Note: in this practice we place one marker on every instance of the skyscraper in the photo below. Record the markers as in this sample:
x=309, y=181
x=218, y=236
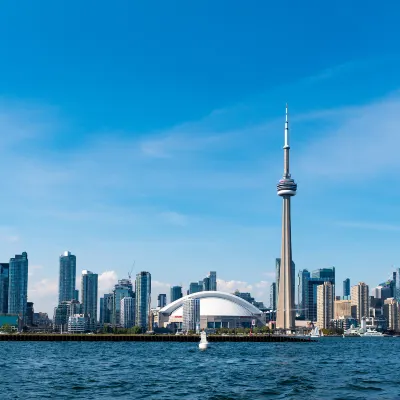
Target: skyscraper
x=143, y=297
x=161, y=300
x=195, y=287
x=272, y=296
x=304, y=276
x=391, y=313
x=89, y=287
x=122, y=289
x=18, y=285
x=324, y=305
x=286, y=189
x=106, y=308
x=176, y=293
x=4, y=279
x=213, y=280
x=127, y=312
x=360, y=301
x=396, y=275
x=66, y=286
x=191, y=314
x=346, y=288
x=327, y=274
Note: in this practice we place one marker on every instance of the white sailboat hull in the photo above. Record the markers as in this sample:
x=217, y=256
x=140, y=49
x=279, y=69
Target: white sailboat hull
x=203, y=345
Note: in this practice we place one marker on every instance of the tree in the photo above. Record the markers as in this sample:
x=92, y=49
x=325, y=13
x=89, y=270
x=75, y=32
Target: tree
x=7, y=328
x=136, y=330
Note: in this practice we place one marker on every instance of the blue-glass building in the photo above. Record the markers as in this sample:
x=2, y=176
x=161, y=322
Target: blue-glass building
x=304, y=276
x=143, y=298
x=176, y=293
x=4, y=279
x=121, y=290
x=67, y=278
x=346, y=288
x=89, y=285
x=18, y=286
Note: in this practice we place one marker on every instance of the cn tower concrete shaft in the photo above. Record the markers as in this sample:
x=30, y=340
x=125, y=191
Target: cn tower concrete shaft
x=285, y=314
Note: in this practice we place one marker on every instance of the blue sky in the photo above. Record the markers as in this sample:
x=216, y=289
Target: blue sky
x=153, y=132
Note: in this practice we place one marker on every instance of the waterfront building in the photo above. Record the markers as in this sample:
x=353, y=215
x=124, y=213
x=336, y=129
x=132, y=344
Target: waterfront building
x=304, y=276
x=106, y=308
x=176, y=293
x=391, y=313
x=217, y=310
x=18, y=286
x=324, y=305
x=143, y=299
x=191, y=314
x=293, y=277
x=310, y=304
x=63, y=311
x=4, y=282
x=343, y=323
x=272, y=296
x=161, y=300
x=29, y=313
x=67, y=277
x=195, y=287
x=128, y=312
x=206, y=284
x=42, y=321
x=346, y=289
x=10, y=319
x=89, y=287
x=122, y=289
x=379, y=323
x=342, y=309
x=360, y=301
x=77, y=323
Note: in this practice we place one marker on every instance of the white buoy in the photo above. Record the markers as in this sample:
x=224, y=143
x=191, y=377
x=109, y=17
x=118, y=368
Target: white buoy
x=203, y=345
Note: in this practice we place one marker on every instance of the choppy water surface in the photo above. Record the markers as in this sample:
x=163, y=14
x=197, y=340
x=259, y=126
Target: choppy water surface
x=333, y=368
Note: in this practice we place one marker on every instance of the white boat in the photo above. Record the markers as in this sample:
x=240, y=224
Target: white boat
x=315, y=333
x=352, y=332
x=203, y=345
x=371, y=333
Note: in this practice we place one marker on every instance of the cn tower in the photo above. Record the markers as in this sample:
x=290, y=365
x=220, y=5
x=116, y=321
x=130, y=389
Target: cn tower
x=286, y=189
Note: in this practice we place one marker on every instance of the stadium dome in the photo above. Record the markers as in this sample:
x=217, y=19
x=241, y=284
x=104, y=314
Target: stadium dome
x=217, y=310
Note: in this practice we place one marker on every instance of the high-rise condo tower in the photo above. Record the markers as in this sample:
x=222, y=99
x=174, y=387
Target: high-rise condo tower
x=286, y=189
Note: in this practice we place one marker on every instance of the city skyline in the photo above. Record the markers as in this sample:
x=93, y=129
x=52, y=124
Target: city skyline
x=146, y=149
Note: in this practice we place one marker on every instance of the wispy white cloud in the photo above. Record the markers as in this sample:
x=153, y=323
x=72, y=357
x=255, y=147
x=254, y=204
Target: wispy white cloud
x=363, y=146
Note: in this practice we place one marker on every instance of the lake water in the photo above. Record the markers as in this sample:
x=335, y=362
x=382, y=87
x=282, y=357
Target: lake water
x=333, y=368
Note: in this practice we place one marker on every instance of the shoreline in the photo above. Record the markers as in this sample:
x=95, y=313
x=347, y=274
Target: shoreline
x=146, y=338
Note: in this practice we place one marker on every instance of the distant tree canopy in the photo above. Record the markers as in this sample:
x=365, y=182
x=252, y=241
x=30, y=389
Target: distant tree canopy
x=6, y=328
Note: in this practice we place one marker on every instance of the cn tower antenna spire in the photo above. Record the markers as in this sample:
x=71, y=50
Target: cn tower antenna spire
x=287, y=129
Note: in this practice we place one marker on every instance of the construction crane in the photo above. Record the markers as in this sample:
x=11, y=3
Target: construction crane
x=130, y=272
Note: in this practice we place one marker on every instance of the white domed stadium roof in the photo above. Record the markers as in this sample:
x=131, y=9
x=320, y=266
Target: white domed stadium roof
x=214, y=303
